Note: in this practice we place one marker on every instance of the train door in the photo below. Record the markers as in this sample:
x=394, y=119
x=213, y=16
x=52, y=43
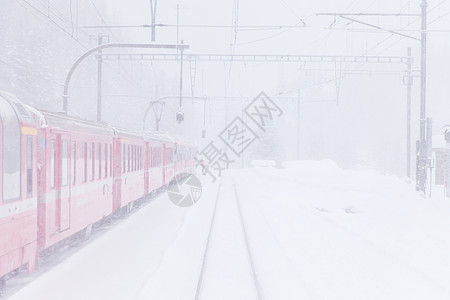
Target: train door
x=63, y=184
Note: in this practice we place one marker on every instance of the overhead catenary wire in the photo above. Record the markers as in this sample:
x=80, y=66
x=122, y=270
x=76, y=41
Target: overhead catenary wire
x=239, y=27
x=47, y=20
x=380, y=43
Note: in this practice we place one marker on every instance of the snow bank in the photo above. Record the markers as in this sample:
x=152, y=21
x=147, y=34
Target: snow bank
x=263, y=163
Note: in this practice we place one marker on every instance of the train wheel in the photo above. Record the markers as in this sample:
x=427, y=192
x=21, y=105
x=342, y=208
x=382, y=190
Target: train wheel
x=38, y=262
x=31, y=266
x=2, y=286
x=87, y=232
x=130, y=207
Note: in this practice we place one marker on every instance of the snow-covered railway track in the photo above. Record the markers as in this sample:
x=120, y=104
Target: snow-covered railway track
x=208, y=241
x=227, y=203
x=336, y=244
x=247, y=244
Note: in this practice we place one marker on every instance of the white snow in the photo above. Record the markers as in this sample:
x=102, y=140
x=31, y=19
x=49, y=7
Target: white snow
x=315, y=231
x=263, y=163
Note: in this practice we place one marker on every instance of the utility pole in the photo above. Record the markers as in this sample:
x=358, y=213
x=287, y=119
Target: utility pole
x=65, y=95
x=408, y=113
x=178, y=24
x=153, y=6
x=181, y=76
x=422, y=159
x=99, y=79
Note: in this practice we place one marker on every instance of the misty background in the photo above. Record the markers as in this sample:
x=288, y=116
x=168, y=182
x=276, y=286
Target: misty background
x=354, y=114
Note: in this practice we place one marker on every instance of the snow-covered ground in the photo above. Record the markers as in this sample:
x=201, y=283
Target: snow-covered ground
x=309, y=230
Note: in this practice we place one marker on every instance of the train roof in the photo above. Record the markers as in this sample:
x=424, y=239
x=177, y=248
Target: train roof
x=129, y=134
x=166, y=137
x=23, y=112
x=44, y=119
x=56, y=120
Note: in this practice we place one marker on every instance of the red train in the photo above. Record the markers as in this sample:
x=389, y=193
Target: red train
x=60, y=175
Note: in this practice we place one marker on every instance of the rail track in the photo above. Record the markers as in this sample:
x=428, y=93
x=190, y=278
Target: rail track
x=219, y=200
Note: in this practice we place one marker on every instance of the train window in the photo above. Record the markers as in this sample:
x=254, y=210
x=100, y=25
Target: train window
x=84, y=162
x=150, y=157
x=29, y=166
x=128, y=159
x=154, y=162
x=53, y=164
x=123, y=158
x=132, y=158
x=169, y=155
x=105, y=160
x=92, y=160
x=157, y=155
x=65, y=163
x=11, y=149
x=98, y=162
x=135, y=158
x=74, y=162
x=112, y=160
x=153, y=157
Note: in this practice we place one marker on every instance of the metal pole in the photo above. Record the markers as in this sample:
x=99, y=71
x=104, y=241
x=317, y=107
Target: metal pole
x=408, y=115
x=181, y=76
x=65, y=94
x=429, y=145
x=153, y=11
x=178, y=23
x=242, y=145
x=298, y=125
x=99, y=80
x=422, y=170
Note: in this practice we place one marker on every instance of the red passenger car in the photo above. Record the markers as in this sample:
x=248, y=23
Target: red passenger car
x=60, y=175
x=18, y=185
x=129, y=171
x=77, y=180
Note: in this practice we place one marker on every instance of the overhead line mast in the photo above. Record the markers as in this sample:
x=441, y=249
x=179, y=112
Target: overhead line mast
x=423, y=161
x=153, y=6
